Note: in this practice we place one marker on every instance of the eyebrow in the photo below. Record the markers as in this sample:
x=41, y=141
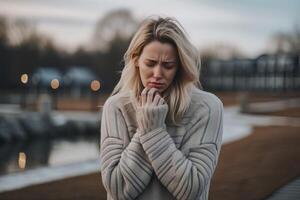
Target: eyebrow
x=153, y=60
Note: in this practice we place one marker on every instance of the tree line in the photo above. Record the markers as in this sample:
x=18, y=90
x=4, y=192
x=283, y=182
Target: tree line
x=23, y=49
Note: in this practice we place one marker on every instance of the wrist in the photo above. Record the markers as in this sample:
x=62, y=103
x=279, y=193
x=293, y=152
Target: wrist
x=142, y=132
x=150, y=118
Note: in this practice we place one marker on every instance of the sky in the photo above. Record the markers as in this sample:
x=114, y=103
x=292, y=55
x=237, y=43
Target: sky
x=247, y=24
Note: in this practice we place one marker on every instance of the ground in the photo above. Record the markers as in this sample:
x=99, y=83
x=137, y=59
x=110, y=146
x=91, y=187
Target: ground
x=250, y=168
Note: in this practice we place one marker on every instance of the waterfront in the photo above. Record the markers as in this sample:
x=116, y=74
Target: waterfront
x=47, y=153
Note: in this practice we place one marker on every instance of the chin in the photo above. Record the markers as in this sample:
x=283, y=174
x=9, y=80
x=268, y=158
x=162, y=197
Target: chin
x=159, y=89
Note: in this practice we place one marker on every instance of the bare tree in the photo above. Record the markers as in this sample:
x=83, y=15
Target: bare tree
x=20, y=30
x=286, y=42
x=116, y=24
x=221, y=51
x=3, y=31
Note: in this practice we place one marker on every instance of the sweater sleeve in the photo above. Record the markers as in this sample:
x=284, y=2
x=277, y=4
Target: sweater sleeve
x=186, y=177
x=125, y=169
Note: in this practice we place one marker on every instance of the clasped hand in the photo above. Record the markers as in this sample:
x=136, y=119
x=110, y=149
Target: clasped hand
x=150, y=97
x=151, y=111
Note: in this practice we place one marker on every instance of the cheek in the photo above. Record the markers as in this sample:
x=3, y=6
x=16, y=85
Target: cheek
x=172, y=75
x=144, y=72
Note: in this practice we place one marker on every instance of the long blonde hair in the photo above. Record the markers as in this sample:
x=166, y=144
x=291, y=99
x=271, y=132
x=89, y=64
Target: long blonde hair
x=167, y=30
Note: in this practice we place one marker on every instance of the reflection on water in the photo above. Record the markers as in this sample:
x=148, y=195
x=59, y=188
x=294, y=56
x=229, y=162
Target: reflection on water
x=66, y=152
x=16, y=157
x=22, y=160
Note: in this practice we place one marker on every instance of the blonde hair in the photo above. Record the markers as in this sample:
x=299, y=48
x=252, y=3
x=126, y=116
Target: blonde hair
x=166, y=30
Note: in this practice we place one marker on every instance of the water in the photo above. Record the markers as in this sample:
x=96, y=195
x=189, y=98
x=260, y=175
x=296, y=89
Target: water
x=22, y=156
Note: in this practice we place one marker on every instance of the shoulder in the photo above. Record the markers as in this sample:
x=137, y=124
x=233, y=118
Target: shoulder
x=202, y=97
x=204, y=118
x=202, y=101
x=117, y=102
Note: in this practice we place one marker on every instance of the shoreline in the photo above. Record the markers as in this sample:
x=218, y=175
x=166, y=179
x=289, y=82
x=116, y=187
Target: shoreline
x=246, y=170
x=12, y=181
x=257, y=135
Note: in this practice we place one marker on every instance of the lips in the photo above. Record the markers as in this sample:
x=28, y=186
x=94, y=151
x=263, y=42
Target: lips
x=155, y=84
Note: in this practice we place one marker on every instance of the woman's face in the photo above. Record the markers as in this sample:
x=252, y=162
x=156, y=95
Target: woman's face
x=158, y=65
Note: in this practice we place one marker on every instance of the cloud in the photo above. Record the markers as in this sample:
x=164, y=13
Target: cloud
x=247, y=24
x=37, y=11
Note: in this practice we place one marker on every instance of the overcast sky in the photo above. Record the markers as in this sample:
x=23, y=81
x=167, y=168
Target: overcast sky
x=246, y=24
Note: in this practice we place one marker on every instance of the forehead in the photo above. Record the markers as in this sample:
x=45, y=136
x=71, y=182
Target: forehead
x=159, y=50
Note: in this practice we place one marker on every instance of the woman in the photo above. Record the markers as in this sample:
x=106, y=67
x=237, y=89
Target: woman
x=160, y=134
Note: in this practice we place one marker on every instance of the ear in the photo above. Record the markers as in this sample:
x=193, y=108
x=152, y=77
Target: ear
x=135, y=59
x=136, y=62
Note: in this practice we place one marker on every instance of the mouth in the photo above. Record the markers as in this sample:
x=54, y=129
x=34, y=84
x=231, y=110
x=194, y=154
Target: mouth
x=155, y=84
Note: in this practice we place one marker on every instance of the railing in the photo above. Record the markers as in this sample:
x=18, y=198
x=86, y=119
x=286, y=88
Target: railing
x=266, y=73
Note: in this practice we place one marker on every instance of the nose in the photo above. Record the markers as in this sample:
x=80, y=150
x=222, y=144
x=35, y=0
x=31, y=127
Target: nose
x=157, y=71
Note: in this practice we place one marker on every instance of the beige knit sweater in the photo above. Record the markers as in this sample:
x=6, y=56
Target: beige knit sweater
x=143, y=158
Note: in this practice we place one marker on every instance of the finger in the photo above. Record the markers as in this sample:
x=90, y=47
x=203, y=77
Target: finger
x=150, y=95
x=144, y=96
x=161, y=101
x=156, y=99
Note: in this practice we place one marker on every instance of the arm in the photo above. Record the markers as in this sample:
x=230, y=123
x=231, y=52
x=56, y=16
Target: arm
x=125, y=170
x=186, y=177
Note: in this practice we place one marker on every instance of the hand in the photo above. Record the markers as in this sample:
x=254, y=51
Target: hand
x=152, y=111
x=150, y=97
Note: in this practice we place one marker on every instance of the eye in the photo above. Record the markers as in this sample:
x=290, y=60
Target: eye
x=150, y=63
x=169, y=65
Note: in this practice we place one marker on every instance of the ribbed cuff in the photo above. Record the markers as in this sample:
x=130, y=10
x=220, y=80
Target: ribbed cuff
x=150, y=118
x=153, y=139
x=159, y=147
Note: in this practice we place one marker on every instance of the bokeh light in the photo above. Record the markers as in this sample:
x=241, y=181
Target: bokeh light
x=24, y=78
x=54, y=84
x=95, y=85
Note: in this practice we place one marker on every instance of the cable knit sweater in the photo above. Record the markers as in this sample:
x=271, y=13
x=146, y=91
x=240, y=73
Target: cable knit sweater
x=143, y=158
